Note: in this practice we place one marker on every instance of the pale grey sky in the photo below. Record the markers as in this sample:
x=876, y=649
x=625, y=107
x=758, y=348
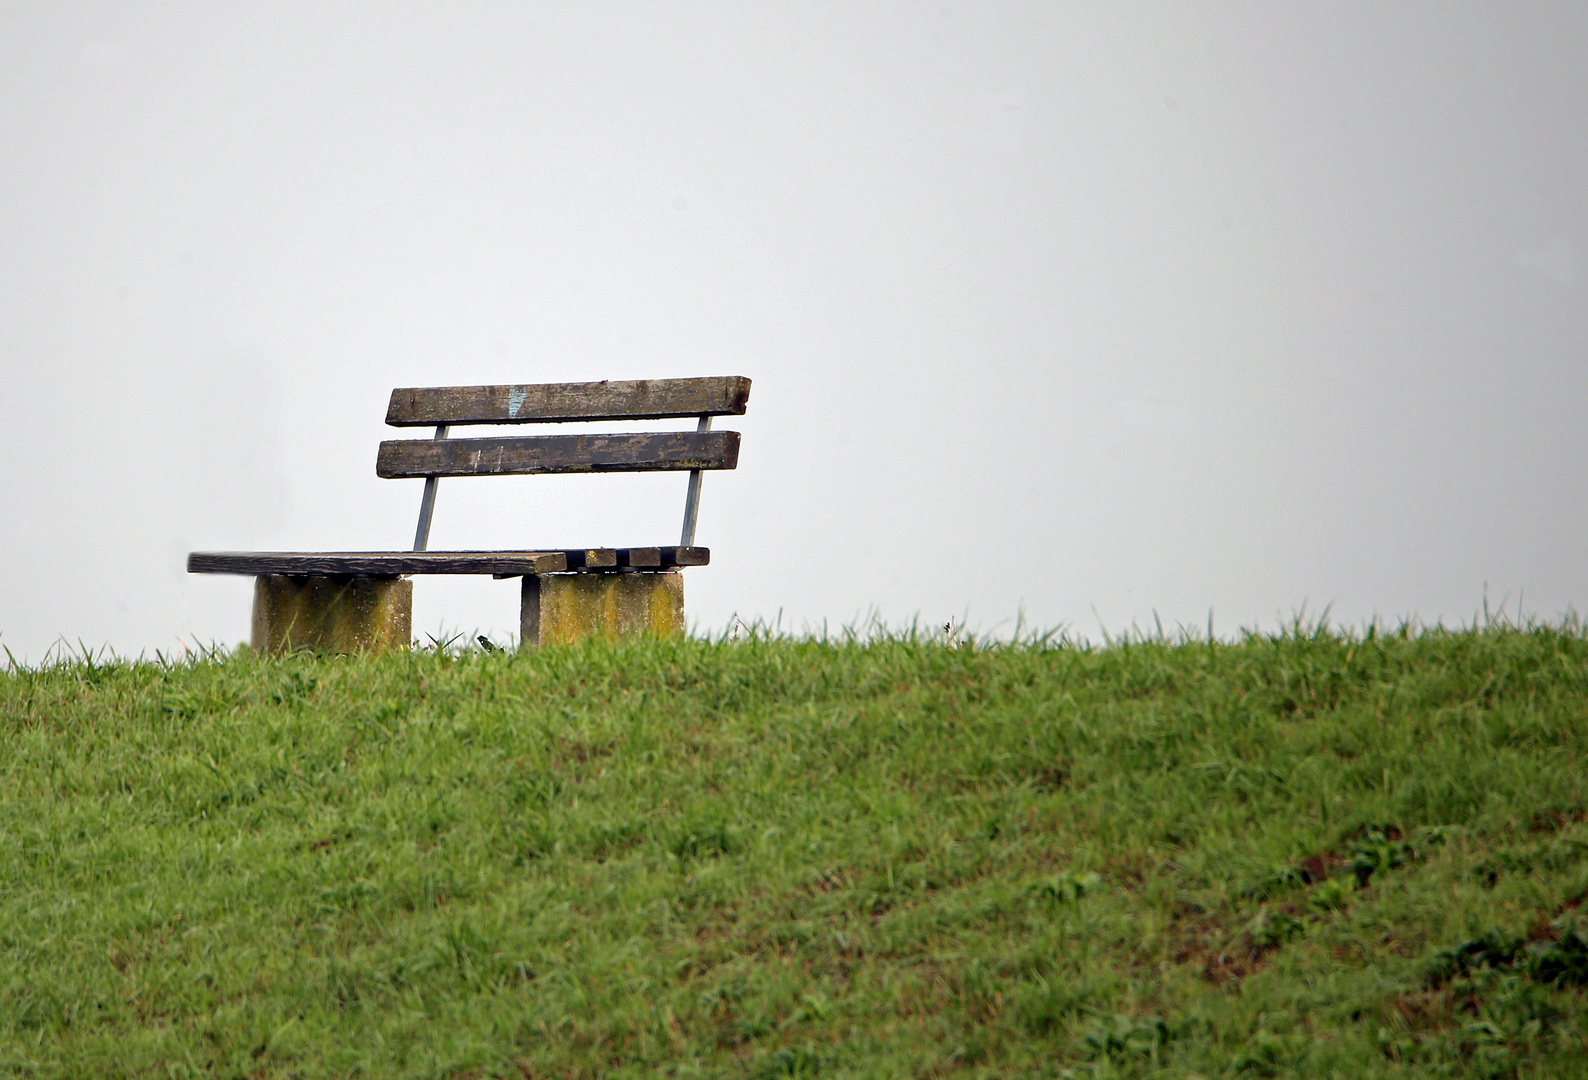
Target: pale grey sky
x=1090, y=310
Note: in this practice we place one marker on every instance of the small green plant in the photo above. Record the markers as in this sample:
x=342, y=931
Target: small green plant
x=1332, y=895
x=1069, y=886
x=1271, y=929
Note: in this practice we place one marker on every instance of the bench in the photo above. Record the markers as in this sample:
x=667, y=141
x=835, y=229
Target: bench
x=351, y=601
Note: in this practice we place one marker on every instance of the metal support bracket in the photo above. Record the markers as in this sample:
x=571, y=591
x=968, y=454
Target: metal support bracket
x=427, y=503
x=692, y=499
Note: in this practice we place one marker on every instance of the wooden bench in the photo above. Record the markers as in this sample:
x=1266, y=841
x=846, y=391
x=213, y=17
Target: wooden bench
x=348, y=601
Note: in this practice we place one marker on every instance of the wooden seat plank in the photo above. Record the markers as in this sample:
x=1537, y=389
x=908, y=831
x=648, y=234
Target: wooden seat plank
x=591, y=558
x=639, y=399
x=545, y=454
x=401, y=563
x=376, y=563
x=638, y=559
x=686, y=556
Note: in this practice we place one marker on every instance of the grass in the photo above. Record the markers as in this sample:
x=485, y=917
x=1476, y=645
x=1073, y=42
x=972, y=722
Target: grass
x=1307, y=854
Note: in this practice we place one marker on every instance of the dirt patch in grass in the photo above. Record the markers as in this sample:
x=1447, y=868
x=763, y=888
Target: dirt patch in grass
x=1555, y=819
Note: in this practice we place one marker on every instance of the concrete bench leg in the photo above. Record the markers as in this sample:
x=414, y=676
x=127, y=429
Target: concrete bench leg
x=564, y=608
x=332, y=614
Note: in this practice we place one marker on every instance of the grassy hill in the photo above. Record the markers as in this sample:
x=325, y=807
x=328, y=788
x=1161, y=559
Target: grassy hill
x=1300, y=855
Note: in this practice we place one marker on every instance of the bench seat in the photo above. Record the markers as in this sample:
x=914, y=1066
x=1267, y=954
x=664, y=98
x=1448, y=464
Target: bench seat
x=501, y=564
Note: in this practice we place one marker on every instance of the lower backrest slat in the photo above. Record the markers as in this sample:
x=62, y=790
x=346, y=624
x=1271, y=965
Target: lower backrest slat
x=645, y=452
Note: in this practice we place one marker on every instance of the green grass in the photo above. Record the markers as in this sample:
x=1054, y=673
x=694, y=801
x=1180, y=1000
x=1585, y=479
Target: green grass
x=1307, y=854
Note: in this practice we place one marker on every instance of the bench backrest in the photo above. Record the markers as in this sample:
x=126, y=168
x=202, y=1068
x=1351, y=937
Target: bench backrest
x=642, y=399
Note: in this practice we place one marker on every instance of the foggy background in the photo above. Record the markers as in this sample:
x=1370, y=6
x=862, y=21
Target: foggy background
x=1087, y=311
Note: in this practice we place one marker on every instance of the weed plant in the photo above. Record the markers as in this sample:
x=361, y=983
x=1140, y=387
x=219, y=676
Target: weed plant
x=1304, y=854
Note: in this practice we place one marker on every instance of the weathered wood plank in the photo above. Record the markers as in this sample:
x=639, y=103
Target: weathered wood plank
x=686, y=556
x=502, y=564
x=541, y=454
x=639, y=399
x=376, y=563
x=647, y=558
x=591, y=558
x=653, y=558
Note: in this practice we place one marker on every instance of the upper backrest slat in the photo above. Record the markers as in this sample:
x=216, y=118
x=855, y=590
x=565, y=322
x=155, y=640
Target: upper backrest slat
x=638, y=399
